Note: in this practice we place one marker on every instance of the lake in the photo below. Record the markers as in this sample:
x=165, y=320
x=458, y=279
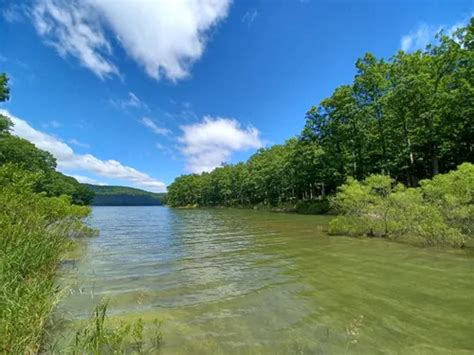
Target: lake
x=230, y=281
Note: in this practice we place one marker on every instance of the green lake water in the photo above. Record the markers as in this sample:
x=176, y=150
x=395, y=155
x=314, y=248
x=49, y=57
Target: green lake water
x=248, y=282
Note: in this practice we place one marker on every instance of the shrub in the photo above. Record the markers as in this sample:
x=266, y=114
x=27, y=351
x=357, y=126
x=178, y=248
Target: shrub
x=440, y=211
x=453, y=195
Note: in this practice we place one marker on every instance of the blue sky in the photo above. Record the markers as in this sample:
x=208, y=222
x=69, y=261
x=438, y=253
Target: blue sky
x=139, y=94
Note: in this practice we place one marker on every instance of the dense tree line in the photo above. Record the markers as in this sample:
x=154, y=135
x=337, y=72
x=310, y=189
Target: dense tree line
x=124, y=196
x=409, y=117
x=26, y=156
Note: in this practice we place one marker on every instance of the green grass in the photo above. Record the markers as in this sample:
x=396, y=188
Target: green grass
x=99, y=335
x=35, y=231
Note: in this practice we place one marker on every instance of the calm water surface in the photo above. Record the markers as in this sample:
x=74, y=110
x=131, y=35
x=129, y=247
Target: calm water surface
x=241, y=281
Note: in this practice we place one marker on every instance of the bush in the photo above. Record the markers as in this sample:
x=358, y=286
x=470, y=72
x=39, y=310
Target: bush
x=440, y=211
x=453, y=196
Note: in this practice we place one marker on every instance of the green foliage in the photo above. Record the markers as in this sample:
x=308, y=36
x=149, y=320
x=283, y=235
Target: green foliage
x=97, y=337
x=34, y=233
x=22, y=152
x=124, y=196
x=5, y=125
x=275, y=176
x=453, y=196
x=440, y=211
x=38, y=222
x=410, y=118
x=4, y=90
x=27, y=156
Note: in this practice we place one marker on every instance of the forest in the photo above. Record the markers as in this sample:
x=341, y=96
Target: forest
x=391, y=154
x=409, y=117
x=105, y=195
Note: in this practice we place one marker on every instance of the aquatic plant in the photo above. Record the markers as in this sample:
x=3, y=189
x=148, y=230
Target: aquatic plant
x=353, y=331
x=96, y=336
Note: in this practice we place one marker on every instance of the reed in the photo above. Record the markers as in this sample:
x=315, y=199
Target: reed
x=35, y=232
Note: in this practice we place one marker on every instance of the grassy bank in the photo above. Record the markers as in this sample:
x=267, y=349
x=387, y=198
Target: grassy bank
x=35, y=231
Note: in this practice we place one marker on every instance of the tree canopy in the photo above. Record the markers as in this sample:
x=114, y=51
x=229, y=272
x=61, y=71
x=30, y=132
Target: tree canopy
x=124, y=196
x=26, y=156
x=409, y=117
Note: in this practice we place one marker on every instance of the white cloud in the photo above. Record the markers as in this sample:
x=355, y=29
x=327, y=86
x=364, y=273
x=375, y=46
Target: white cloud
x=86, y=180
x=149, y=123
x=13, y=12
x=132, y=101
x=74, y=29
x=78, y=143
x=249, y=17
x=69, y=160
x=211, y=142
x=164, y=37
x=418, y=39
x=425, y=34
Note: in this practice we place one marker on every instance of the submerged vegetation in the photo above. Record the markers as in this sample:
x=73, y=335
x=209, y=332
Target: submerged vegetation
x=96, y=336
x=402, y=121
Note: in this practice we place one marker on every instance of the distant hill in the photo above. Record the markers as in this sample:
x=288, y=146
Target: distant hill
x=124, y=196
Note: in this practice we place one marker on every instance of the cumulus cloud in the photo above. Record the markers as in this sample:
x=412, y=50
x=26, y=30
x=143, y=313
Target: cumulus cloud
x=69, y=160
x=211, y=142
x=165, y=37
x=150, y=123
x=425, y=34
x=74, y=29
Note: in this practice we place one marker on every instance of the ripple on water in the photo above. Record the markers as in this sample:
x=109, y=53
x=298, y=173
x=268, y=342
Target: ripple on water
x=240, y=281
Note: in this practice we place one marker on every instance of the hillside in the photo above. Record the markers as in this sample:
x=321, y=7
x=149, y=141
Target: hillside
x=124, y=196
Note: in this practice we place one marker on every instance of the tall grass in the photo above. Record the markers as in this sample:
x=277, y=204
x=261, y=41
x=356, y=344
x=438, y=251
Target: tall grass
x=96, y=336
x=35, y=231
